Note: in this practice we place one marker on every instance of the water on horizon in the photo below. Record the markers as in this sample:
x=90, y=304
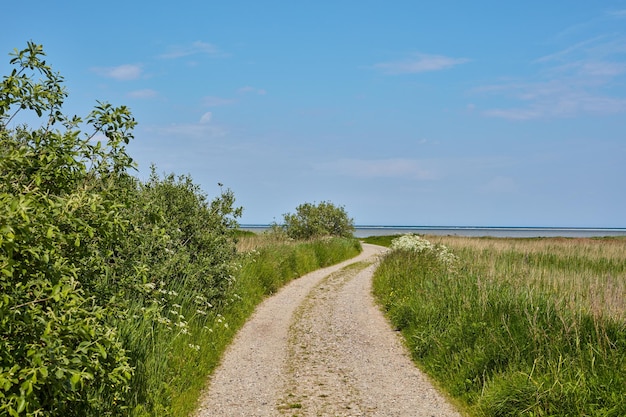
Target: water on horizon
x=366, y=231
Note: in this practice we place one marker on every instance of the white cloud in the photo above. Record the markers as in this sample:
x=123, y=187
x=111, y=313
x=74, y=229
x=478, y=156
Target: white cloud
x=420, y=63
x=195, y=48
x=206, y=118
x=381, y=168
x=122, y=72
x=143, y=94
x=584, y=78
x=558, y=104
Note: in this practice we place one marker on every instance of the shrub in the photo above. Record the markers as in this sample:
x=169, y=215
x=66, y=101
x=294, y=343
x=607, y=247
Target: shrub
x=93, y=262
x=324, y=219
x=56, y=227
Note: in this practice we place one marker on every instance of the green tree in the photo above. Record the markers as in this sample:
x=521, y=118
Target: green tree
x=318, y=220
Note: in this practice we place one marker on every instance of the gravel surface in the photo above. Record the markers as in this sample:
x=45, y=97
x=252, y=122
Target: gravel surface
x=321, y=347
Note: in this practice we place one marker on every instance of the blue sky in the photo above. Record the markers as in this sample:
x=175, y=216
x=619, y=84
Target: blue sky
x=483, y=113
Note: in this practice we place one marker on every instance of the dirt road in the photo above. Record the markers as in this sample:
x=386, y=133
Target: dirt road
x=320, y=347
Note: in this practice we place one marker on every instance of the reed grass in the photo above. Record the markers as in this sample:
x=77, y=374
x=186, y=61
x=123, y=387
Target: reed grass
x=518, y=326
x=578, y=274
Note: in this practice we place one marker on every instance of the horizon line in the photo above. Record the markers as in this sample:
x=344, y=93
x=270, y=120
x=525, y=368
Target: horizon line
x=381, y=226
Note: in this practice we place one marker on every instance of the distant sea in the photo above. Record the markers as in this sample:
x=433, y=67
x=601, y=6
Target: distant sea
x=365, y=231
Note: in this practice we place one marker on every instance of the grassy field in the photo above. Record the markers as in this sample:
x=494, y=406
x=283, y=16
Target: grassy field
x=533, y=327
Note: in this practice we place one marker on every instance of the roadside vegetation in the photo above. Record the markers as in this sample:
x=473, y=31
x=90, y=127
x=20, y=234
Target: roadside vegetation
x=117, y=296
x=513, y=327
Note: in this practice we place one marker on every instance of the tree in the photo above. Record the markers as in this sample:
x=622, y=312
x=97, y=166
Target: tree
x=318, y=220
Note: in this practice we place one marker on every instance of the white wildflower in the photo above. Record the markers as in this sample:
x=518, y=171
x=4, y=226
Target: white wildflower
x=410, y=242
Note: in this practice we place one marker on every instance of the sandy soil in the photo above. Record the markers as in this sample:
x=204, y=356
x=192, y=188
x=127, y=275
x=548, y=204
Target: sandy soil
x=321, y=347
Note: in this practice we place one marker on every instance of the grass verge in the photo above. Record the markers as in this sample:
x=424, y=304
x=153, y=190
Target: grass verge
x=531, y=327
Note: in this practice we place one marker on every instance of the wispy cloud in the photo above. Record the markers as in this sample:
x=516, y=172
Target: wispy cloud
x=206, y=118
x=572, y=49
x=213, y=101
x=570, y=102
x=204, y=128
x=181, y=131
x=618, y=13
x=195, y=48
x=583, y=78
x=419, y=63
x=381, y=168
x=122, y=72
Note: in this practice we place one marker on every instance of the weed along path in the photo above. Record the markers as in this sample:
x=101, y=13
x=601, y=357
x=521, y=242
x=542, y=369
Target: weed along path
x=321, y=347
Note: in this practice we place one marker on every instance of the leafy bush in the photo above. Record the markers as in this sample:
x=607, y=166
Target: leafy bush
x=324, y=219
x=56, y=227
x=93, y=262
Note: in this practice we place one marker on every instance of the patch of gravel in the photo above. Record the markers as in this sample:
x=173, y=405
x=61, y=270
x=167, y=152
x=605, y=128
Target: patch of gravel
x=321, y=347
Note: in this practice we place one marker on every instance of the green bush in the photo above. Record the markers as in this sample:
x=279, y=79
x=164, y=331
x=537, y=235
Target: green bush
x=93, y=262
x=56, y=226
x=324, y=219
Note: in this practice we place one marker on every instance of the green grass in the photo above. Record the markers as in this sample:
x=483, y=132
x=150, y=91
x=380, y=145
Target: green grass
x=519, y=326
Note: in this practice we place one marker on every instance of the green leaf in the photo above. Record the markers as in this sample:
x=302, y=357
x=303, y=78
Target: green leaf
x=102, y=351
x=75, y=379
x=21, y=404
x=27, y=387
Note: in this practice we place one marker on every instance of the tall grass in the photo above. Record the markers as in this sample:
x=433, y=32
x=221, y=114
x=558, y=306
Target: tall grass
x=518, y=326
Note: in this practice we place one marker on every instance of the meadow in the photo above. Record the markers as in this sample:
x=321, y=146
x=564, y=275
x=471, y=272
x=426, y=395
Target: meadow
x=514, y=327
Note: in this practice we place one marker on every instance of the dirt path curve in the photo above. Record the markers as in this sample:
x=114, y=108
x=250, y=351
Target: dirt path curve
x=321, y=347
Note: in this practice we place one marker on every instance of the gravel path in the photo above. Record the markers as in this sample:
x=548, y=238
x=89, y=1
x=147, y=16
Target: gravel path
x=321, y=347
